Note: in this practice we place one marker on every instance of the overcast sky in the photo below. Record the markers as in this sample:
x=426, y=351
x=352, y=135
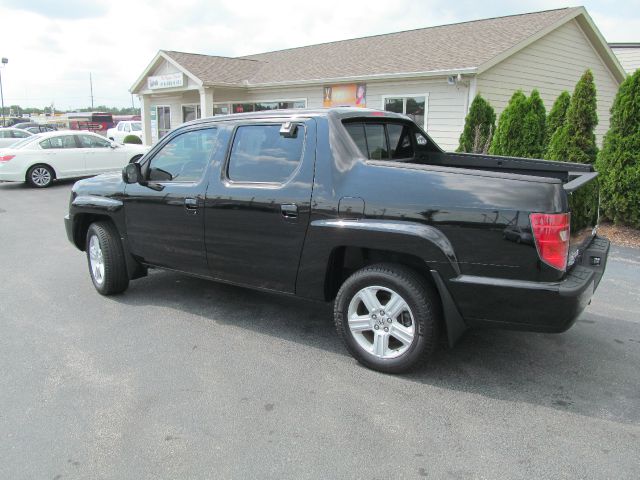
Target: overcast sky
x=53, y=45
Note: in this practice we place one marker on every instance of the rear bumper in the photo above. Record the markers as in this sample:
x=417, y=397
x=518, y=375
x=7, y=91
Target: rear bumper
x=532, y=306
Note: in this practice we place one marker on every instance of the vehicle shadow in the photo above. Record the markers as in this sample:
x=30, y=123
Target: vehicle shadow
x=584, y=371
x=65, y=183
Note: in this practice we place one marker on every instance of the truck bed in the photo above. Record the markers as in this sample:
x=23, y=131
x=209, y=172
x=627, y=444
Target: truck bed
x=564, y=171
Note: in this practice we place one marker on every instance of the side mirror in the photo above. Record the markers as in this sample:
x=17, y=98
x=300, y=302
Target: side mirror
x=132, y=173
x=114, y=145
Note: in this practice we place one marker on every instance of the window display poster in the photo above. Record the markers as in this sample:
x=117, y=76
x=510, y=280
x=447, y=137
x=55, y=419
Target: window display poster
x=350, y=94
x=154, y=124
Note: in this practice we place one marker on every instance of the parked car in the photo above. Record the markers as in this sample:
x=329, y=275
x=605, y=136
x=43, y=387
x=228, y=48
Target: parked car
x=34, y=127
x=10, y=135
x=43, y=158
x=354, y=206
x=11, y=121
x=124, y=128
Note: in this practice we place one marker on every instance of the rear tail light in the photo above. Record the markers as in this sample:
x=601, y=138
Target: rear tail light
x=551, y=232
x=6, y=158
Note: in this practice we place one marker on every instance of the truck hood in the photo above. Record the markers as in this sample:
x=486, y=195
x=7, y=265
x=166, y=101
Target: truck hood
x=106, y=185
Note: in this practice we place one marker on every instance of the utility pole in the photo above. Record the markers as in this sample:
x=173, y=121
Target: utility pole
x=4, y=62
x=91, y=87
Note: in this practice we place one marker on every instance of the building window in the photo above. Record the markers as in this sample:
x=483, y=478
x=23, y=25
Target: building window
x=244, y=107
x=414, y=106
x=191, y=112
x=164, y=120
x=221, y=109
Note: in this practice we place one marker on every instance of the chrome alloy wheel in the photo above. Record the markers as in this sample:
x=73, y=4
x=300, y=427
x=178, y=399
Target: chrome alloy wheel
x=41, y=176
x=96, y=260
x=381, y=322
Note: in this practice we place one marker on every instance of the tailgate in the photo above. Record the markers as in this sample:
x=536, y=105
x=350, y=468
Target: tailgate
x=584, y=205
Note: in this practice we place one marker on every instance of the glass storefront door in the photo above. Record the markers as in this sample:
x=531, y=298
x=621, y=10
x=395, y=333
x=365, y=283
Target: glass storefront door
x=164, y=120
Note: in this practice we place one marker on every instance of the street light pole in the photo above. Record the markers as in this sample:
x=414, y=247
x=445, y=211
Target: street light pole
x=4, y=62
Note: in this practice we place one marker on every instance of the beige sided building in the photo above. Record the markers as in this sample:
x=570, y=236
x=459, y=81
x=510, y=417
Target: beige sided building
x=431, y=74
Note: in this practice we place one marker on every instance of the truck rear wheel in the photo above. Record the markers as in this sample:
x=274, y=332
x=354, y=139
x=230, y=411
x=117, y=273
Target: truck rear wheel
x=106, y=260
x=388, y=317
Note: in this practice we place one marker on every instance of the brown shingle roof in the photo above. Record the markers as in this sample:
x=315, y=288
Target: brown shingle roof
x=217, y=70
x=447, y=47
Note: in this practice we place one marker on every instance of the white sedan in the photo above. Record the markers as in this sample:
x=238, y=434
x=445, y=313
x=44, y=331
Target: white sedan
x=43, y=158
x=124, y=129
x=9, y=136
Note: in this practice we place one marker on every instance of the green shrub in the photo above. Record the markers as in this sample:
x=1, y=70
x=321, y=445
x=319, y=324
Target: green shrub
x=557, y=115
x=134, y=139
x=521, y=128
x=619, y=160
x=479, y=127
x=575, y=141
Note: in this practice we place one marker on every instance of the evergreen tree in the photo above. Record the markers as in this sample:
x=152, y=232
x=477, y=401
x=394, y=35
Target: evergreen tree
x=479, y=127
x=534, y=127
x=521, y=128
x=619, y=160
x=557, y=115
x=575, y=141
x=508, y=137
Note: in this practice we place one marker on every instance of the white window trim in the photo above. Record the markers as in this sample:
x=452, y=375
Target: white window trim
x=228, y=103
x=404, y=103
x=196, y=104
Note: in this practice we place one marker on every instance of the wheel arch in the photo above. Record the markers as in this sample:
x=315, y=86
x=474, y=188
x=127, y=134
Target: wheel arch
x=328, y=259
x=81, y=222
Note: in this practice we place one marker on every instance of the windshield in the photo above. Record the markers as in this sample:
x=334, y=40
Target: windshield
x=136, y=127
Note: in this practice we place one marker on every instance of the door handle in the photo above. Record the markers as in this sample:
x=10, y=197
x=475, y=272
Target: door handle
x=289, y=211
x=191, y=205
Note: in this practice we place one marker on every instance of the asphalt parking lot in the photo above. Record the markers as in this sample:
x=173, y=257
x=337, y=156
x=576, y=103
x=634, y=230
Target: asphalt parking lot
x=182, y=378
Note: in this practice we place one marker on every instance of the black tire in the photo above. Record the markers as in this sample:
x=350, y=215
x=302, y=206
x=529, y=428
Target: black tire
x=420, y=297
x=114, y=277
x=40, y=176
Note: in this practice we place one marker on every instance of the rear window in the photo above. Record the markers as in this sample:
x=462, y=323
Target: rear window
x=382, y=141
x=261, y=154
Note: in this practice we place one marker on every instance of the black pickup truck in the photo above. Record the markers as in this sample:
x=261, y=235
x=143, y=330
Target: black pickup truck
x=355, y=206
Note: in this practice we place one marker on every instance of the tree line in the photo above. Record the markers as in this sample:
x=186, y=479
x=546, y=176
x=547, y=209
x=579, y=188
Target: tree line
x=524, y=129
x=18, y=111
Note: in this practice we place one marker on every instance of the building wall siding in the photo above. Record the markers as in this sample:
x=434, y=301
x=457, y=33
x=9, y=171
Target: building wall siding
x=629, y=58
x=446, y=106
x=551, y=64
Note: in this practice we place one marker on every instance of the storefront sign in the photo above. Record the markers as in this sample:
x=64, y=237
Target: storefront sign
x=354, y=94
x=169, y=80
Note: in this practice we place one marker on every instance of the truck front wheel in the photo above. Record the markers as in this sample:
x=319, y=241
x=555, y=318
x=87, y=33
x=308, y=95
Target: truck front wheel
x=388, y=317
x=105, y=256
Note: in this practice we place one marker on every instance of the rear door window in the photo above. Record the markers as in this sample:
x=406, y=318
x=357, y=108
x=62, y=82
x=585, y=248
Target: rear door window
x=260, y=154
x=66, y=141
